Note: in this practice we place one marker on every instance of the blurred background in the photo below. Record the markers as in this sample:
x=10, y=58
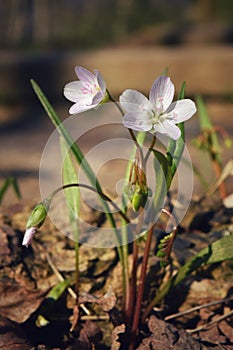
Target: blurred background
x=130, y=41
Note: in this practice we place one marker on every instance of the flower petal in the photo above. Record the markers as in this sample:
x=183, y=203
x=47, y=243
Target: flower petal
x=73, y=92
x=97, y=98
x=28, y=236
x=134, y=101
x=101, y=81
x=171, y=130
x=181, y=110
x=79, y=108
x=162, y=93
x=137, y=121
x=85, y=75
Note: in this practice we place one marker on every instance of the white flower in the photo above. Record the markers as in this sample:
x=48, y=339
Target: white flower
x=158, y=113
x=87, y=92
x=29, y=233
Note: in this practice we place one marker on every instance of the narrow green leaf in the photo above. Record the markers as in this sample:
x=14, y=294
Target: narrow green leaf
x=16, y=187
x=222, y=250
x=4, y=188
x=163, y=176
x=70, y=177
x=10, y=181
x=47, y=308
x=166, y=170
x=57, y=291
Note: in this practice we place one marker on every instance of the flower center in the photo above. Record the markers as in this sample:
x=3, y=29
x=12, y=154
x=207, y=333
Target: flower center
x=90, y=89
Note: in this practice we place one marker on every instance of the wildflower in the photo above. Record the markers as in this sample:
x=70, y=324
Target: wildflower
x=87, y=92
x=36, y=219
x=158, y=113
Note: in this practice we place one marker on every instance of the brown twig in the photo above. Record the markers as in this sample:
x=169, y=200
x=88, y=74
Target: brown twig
x=207, y=325
x=196, y=308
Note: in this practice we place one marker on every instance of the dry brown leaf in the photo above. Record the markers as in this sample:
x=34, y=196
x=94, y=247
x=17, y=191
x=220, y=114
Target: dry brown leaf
x=165, y=336
x=18, y=302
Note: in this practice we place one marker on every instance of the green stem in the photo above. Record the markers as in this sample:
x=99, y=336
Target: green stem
x=150, y=148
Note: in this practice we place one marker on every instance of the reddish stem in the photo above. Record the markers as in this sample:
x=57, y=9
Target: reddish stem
x=141, y=286
x=133, y=282
x=132, y=286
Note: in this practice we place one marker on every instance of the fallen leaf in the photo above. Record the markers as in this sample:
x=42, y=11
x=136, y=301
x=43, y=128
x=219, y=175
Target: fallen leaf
x=165, y=336
x=18, y=302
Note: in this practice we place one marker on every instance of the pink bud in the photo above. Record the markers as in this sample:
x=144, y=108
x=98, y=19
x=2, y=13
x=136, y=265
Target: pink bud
x=29, y=233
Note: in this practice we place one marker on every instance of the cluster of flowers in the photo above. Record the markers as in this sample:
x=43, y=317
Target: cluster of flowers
x=156, y=114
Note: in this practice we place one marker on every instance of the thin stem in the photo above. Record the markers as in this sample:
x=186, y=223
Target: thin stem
x=141, y=287
x=127, y=292
x=150, y=148
x=116, y=104
x=104, y=196
x=124, y=250
x=133, y=281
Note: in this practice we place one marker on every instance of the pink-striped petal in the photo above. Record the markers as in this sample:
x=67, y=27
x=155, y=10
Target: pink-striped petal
x=73, y=92
x=85, y=75
x=162, y=93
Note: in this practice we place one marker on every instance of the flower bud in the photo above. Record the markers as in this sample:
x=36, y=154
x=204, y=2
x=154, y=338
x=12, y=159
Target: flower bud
x=139, y=198
x=29, y=233
x=137, y=188
x=35, y=220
